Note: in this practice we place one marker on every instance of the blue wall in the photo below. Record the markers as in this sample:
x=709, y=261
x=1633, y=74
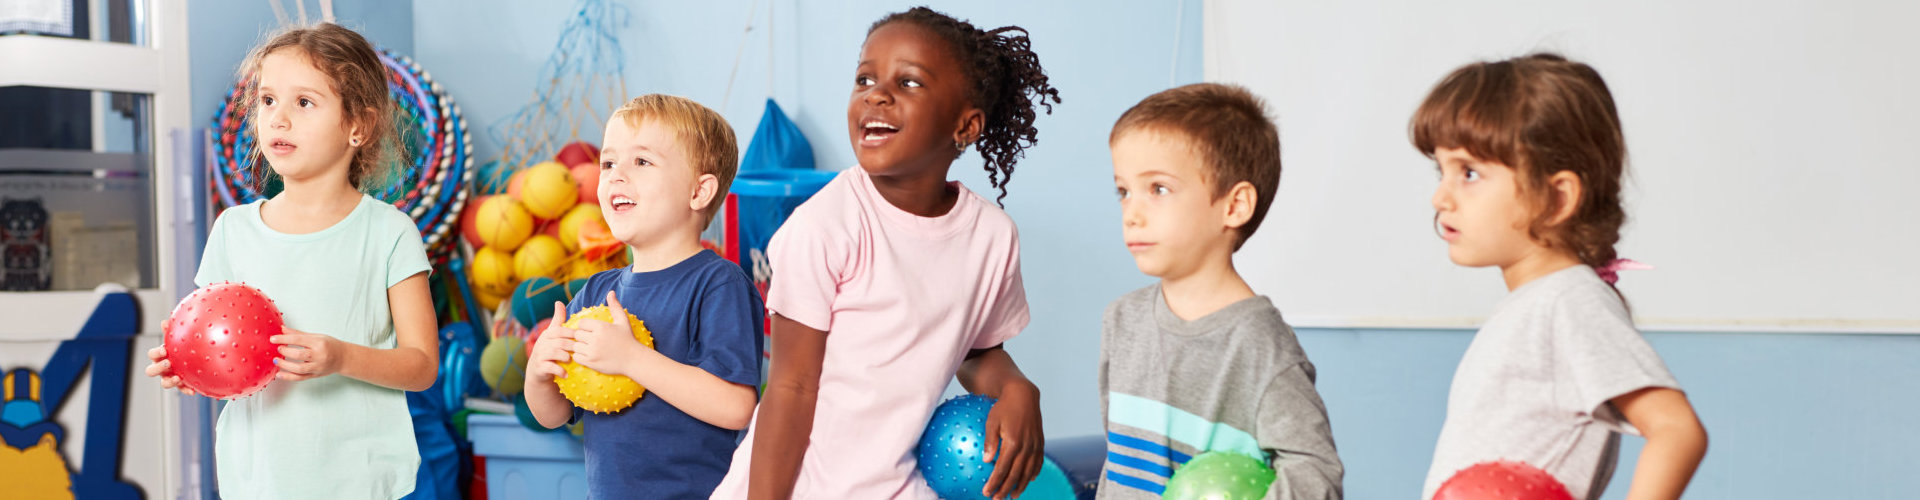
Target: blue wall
x=222, y=31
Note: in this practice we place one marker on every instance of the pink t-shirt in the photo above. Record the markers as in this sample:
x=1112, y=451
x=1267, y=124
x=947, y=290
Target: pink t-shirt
x=903, y=298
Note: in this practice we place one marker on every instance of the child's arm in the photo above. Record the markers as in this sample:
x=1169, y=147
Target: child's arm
x=1015, y=419
x=555, y=346
x=786, y=413
x=1293, y=425
x=1675, y=441
x=411, y=365
x=611, y=349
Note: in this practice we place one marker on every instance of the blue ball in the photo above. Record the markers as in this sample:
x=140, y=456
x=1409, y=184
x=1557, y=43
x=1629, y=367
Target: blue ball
x=489, y=178
x=950, y=455
x=533, y=300
x=1052, y=484
x=951, y=450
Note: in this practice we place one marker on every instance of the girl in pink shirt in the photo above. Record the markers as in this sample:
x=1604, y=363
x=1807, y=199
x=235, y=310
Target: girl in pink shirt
x=892, y=280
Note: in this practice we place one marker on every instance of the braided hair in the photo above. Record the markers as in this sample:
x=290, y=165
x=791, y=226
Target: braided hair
x=1008, y=84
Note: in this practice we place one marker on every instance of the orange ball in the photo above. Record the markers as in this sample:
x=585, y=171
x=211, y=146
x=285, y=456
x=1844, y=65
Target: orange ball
x=514, y=182
x=468, y=214
x=587, y=175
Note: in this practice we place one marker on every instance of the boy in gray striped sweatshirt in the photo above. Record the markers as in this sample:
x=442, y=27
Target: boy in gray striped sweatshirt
x=1198, y=362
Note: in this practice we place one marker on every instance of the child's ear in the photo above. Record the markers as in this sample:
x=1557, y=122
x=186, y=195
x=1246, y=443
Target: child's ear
x=1566, y=188
x=704, y=189
x=354, y=136
x=972, y=122
x=1240, y=202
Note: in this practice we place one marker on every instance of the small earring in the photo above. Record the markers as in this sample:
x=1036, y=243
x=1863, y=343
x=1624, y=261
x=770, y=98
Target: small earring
x=959, y=144
x=355, y=142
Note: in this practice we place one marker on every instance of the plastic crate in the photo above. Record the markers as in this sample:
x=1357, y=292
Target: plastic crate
x=522, y=463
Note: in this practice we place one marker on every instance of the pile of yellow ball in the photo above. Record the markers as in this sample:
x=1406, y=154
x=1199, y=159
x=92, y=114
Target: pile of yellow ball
x=533, y=229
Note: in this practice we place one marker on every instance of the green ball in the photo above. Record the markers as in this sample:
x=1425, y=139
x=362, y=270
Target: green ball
x=503, y=365
x=1220, y=475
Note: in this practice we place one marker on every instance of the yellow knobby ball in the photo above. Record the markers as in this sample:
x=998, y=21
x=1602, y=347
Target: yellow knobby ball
x=549, y=190
x=540, y=256
x=584, y=213
x=492, y=272
x=594, y=391
x=503, y=223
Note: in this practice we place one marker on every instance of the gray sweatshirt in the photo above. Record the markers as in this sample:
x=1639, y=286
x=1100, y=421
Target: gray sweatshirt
x=1234, y=380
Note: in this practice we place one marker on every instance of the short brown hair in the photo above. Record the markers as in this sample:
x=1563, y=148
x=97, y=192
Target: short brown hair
x=1229, y=127
x=705, y=135
x=1538, y=114
x=360, y=80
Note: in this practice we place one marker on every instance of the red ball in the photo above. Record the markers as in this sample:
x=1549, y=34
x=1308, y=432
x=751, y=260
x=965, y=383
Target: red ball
x=216, y=340
x=534, y=334
x=467, y=228
x=549, y=227
x=577, y=152
x=1502, y=480
x=587, y=176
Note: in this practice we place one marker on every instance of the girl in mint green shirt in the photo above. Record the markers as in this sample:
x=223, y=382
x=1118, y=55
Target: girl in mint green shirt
x=348, y=273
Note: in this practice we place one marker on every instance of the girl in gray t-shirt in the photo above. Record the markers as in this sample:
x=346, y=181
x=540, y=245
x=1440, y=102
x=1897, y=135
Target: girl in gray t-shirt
x=1530, y=156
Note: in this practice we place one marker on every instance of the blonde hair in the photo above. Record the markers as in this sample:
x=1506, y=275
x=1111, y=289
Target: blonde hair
x=703, y=133
x=360, y=80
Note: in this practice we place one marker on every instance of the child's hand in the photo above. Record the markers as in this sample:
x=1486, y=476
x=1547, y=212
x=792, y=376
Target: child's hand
x=163, y=369
x=555, y=346
x=306, y=355
x=608, y=347
x=1015, y=420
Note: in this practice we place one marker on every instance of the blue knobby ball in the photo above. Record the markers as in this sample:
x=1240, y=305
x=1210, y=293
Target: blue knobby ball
x=951, y=449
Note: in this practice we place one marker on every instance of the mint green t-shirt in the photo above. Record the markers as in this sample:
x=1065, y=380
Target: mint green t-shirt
x=332, y=437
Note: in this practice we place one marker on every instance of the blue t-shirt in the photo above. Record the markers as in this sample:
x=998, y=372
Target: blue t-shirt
x=702, y=312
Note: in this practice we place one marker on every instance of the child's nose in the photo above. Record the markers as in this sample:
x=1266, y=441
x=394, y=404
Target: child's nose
x=274, y=118
x=877, y=95
x=1442, y=199
x=1130, y=216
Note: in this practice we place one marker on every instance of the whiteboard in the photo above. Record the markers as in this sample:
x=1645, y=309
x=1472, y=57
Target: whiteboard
x=1772, y=151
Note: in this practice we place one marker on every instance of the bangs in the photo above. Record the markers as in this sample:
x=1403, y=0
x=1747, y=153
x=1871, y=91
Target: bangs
x=1477, y=108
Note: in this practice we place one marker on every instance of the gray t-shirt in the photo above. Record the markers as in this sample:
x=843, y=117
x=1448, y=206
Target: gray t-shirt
x=1235, y=380
x=1535, y=386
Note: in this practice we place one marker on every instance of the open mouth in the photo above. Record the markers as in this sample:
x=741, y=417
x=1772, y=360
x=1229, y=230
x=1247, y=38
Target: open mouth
x=621, y=203
x=280, y=146
x=1448, y=233
x=873, y=132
